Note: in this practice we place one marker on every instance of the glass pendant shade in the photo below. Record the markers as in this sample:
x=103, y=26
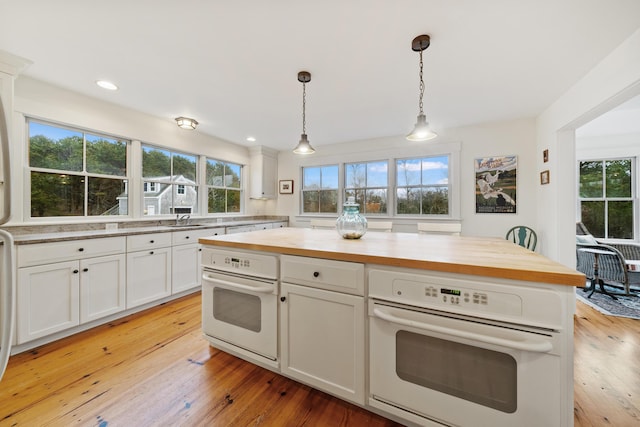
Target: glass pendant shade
x=304, y=147
x=421, y=131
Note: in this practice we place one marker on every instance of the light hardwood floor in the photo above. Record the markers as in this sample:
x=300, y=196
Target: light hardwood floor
x=155, y=369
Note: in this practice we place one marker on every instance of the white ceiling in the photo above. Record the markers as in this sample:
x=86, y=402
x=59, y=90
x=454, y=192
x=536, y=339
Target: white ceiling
x=233, y=65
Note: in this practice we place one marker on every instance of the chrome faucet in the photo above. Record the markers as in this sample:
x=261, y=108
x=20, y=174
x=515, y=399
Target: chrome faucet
x=183, y=220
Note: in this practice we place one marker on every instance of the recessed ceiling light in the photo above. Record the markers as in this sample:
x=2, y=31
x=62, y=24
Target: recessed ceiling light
x=251, y=139
x=104, y=84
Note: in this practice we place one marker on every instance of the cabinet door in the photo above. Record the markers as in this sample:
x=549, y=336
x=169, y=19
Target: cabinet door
x=185, y=271
x=102, y=287
x=148, y=276
x=48, y=299
x=322, y=340
x=264, y=170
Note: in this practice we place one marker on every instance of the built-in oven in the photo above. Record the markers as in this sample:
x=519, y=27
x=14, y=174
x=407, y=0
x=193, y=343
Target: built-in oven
x=239, y=303
x=445, y=351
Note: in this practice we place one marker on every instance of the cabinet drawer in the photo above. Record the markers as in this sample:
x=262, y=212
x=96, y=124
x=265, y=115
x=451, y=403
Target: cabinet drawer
x=191, y=236
x=340, y=276
x=148, y=241
x=48, y=253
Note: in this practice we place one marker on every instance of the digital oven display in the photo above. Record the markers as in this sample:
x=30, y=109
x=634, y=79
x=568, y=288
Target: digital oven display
x=235, y=259
x=450, y=291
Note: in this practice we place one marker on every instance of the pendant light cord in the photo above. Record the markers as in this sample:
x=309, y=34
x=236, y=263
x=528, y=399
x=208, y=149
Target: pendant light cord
x=304, y=107
x=421, y=85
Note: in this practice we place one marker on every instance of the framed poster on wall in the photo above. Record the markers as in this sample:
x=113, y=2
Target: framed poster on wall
x=496, y=184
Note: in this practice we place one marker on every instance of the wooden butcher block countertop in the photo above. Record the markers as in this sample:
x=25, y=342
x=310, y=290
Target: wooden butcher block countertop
x=478, y=256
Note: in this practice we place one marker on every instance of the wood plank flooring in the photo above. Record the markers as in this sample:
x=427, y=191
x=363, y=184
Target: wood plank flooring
x=155, y=369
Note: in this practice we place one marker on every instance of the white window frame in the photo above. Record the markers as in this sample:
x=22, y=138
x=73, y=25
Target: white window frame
x=207, y=186
x=65, y=218
x=452, y=149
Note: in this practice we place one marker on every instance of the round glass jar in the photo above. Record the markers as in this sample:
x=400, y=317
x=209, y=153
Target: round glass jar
x=351, y=225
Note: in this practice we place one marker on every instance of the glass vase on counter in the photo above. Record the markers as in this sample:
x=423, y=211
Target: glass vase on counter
x=351, y=225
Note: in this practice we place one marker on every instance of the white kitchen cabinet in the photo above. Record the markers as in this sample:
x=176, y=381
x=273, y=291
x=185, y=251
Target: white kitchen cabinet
x=102, y=287
x=64, y=284
x=48, y=299
x=264, y=172
x=185, y=258
x=185, y=270
x=148, y=275
x=322, y=340
x=322, y=324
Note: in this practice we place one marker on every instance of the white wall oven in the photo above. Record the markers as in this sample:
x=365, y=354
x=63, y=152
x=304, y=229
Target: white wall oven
x=445, y=351
x=239, y=304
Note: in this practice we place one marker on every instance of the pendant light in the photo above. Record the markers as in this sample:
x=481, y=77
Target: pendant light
x=304, y=147
x=421, y=132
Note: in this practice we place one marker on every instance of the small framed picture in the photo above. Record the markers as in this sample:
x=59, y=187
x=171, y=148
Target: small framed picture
x=544, y=177
x=286, y=186
x=545, y=156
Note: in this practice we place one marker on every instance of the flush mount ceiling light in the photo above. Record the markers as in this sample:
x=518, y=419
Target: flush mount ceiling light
x=186, y=123
x=421, y=132
x=304, y=147
x=104, y=84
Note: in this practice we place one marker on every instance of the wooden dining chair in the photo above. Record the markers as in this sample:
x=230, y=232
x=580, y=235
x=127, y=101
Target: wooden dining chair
x=523, y=236
x=450, y=228
x=380, y=226
x=323, y=223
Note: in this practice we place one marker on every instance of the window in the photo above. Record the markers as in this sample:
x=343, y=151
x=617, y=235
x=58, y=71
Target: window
x=320, y=189
x=422, y=186
x=150, y=187
x=606, y=197
x=223, y=186
x=75, y=172
x=163, y=173
x=367, y=183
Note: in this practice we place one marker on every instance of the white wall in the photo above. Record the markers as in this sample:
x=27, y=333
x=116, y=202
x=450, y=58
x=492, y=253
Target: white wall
x=607, y=146
x=613, y=81
x=40, y=100
x=515, y=137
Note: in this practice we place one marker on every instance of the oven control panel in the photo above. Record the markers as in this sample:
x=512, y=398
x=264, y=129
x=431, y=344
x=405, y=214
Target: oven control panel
x=248, y=263
x=436, y=295
x=444, y=293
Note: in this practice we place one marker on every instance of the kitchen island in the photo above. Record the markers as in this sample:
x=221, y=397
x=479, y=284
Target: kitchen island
x=477, y=256
x=406, y=325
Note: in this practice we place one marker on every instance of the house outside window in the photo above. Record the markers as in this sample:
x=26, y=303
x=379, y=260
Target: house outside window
x=367, y=183
x=423, y=186
x=606, y=198
x=76, y=173
x=320, y=189
x=224, y=187
x=164, y=172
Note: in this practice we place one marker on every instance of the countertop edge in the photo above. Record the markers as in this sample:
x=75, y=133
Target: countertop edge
x=555, y=278
x=28, y=239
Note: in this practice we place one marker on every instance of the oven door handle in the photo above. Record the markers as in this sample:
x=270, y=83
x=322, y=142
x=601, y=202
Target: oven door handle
x=528, y=345
x=266, y=289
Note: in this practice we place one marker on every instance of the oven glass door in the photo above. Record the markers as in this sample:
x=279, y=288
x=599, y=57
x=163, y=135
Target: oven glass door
x=241, y=311
x=457, y=371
